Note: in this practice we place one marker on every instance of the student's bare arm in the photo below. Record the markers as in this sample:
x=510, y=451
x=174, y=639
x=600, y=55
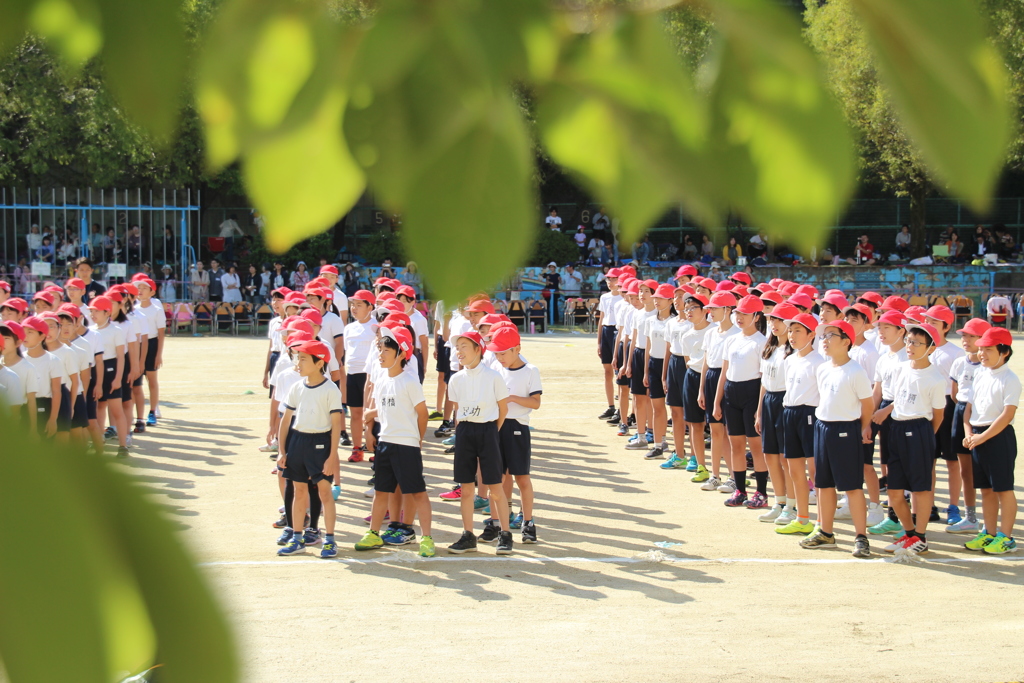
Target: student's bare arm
x=700, y=392
x=502, y=412
x=160, y=348
x=51, y=424
x=1004, y=419
x=331, y=466
x=30, y=401
x=282, y=438
x=421, y=419
x=531, y=402
x=879, y=415
x=867, y=409
x=266, y=366
x=937, y=419
x=720, y=391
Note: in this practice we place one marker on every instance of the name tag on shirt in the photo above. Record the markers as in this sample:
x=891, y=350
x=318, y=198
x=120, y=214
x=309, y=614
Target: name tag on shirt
x=842, y=434
x=320, y=446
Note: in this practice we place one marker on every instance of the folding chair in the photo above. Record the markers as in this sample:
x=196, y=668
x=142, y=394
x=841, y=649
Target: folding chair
x=183, y=317
x=244, y=317
x=264, y=314
x=538, y=314
x=202, y=315
x=918, y=300
x=963, y=307
x=517, y=314
x=592, y=305
x=223, y=317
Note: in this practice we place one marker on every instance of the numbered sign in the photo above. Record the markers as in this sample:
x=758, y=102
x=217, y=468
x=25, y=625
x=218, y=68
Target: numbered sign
x=42, y=268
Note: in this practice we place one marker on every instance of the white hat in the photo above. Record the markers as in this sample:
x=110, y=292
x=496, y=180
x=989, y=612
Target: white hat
x=553, y=264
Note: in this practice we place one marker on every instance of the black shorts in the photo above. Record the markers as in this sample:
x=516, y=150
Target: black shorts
x=398, y=465
x=137, y=382
x=636, y=367
x=710, y=390
x=838, y=456
x=152, y=345
x=444, y=355
x=476, y=444
x=868, y=449
x=883, y=433
x=617, y=353
x=514, y=441
x=111, y=392
x=911, y=455
x=957, y=430
x=355, y=385
x=80, y=414
x=656, y=388
x=994, y=460
x=44, y=404
x=274, y=355
x=798, y=424
x=306, y=455
x=65, y=410
x=90, y=396
x=607, y=342
x=692, y=412
x=448, y=372
x=126, y=385
x=739, y=407
x=421, y=369
x=619, y=364
x=676, y=375
x=773, y=432
x=944, y=437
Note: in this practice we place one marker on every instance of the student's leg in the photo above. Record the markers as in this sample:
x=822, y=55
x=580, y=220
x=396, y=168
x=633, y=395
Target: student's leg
x=154, y=390
x=300, y=502
x=356, y=427
x=315, y=508
x=288, y=492
x=923, y=500
x=420, y=504
x=827, y=508
x=967, y=479
x=641, y=403
x=760, y=466
x=777, y=473
x=139, y=399
x=899, y=505
x=466, y=504
x=525, y=485
x=609, y=388
x=737, y=459
x=871, y=479
x=696, y=441
x=327, y=503
x=990, y=510
x=624, y=404
x=442, y=390
x=1007, y=511
x=679, y=431
x=282, y=485
x=499, y=505
x=800, y=486
x=660, y=420
x=720, y=449
x=117, y=419
x=378, y=509
x=955, y=482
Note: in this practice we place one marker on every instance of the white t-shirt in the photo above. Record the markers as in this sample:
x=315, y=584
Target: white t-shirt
x=640, y=318
x=313, y=406
x=623, y=312
x=46, y=368
x=274, y=334
x=129, y=330
x=397, y=398
x=523, y=381
x=674, y=331
x=744, y=355
x=69, y=359
x=773, y=370
x=657, y=333
x=284, y=379
x=553, y=222
x=714, y=344
x=477, y=391
x=802, y=379
x=607, y=305
x=359, y=340
x=993, y=391
x=918, y=393
x=841, y=389
x=866, y=356
x=962, y=373
x=886, y=368
x=154, y=316
x=86, y=314
x=456, y=325
x=11, y=391
x=693, y=347
x=419, y=326
x=340, y=300
x=112, y=336
x=332, y=328
x=28, y=378
x=942, y=358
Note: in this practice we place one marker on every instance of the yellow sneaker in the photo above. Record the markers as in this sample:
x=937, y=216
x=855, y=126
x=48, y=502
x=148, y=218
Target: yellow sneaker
x=426, y=546
x=980, y=541
x=795, y=527
x=701, y=476
x=369, y=541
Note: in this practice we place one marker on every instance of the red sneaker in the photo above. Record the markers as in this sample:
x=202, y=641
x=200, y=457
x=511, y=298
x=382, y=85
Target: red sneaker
x=357, y=455
x=454, y=494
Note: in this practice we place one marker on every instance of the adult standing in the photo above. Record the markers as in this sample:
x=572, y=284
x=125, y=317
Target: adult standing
x=351, y=285
x=553, y=281
x=231, y=286
x=300, y=277
x=200, y=280
x=571, y=281
x=228, y=229
x=411, y=277
x=251, y=283
x=216, y=286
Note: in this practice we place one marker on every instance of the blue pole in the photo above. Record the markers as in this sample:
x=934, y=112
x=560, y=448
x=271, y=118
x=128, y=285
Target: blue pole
x=84, y=246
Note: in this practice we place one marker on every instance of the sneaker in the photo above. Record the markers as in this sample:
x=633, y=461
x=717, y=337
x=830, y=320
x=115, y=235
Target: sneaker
x=980, y=542
x=728, y=486
x=140, y=427
x=450, y=441
x=357, y=455
x=883, y=484
x=449, y=450
x=311, y=537
x=637, y=443
x=369, y=518
x=529, y=533
x=773, y=513
x=914, y=544
x=737, y=499
x=812, y=499
x=109, y=433
x=615, y=419
x=491, y=531
x=505, y=543
x=285, y=536
x=268, y=448
x=427, y=547
x=335, y=492
x=758, y=501
x=329, y=550
x=632, y=420
x=786, y=516
x=964, y=526
x=369, y=493
x=158, y=415
x=934, y=516
x=876, y=515
x=886, y=526
x=281, y=523
x=465, y=544
x=480, y=503
x=454, y=494
x=953, y=515
x=654, y=454
x=1001, y=545
x=691, y=464
x=293, y=547
x=128, y=440
x=435, y=415
x=818, y=540
x=898, y=543
x=711, y=484
x=844, y=512
x=370, y=540
x=750, y=461
x=673, y=463
x=796, y=527
x=515, y=522
x=151, y=419
x=345, y=440
x=861, y=547
x=623, y=430
x=122, y=452
x=607, y=413
x=402, y=535
x=701, y=476
x=649, y=436
x=444, y=429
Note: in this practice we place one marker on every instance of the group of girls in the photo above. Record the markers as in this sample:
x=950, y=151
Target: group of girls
x=74, y=368
x=798, y=387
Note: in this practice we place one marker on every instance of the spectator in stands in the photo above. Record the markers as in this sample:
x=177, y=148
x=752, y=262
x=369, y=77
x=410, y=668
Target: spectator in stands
x=571, y=281
x=228, y=229
x=758, y=244
x=265, y=279
x=1000, y=310
x=411, y=277
x=642, y=250
x=731, y=252
x=553, y=221
x=598, y=253
x=168, y=291
x=216, y=286
x=903, y=243
x=864, y=254
x=251, y=283
x=351, y=280
x=707, y=249
x=689, y=249
x=981, y=247
x=279, y=278
x=68, y=251
x=134, y=243
x=300, y=276
x=581, y=242
x=956, y=248
x=170, y=251
x=111, y=246
x=601, y=223
x=386, y=269
x=34, y=240
x=45, y=252
x=1005, y=243
x=200, y=281
x=552, y=282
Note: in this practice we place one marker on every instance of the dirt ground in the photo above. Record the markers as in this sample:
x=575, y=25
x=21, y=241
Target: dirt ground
x=598, y=599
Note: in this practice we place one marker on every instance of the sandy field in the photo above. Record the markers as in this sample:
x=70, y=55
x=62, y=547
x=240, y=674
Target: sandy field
x=638, y=574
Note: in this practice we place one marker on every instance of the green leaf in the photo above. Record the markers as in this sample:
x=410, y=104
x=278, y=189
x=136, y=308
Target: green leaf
x=478, y=194
x=144, y=59
x=949, y=86
x=71, y=27
x=784, y=155
x=305, y=180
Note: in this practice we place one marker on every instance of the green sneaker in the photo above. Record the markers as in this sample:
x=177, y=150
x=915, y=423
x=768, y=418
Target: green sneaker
x=674, y=463
x=370, y=540
x=701, y=476
x=795, y=527
x=980, y=541
x=886, y=526
x=1001, y=545
x=480, y=503
x=426, y=546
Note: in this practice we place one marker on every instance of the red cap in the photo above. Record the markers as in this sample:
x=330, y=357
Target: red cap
x=363, y=295
x=391, y=305
x=846, y=327
x=686, y=270
x=283, y=291
x=686, y=289
x=750, y=304
x=315, y=348
x=830, y=292
x=809, y=290
x=723, y=286
x=401, y=337
x=801, y=300
x=492, y=319
x=382, y=282
x=320, y=282
x=115, y=294
x=915, y=313
x=975, y=327
x=925, y=327
x=698, y=297
x=471, y=336
x=395, y=284
x=740, y=291
x=17, y=303
x=893, y=318
x=295, y=298
x=503, y=339
x=503, y=324
x=651, y=285
x=742, y=277
x=784, y=311
x=776, y=282
x=36, y=323
x=633, y=287
x=613, y=272
x=387, y=296
x=837, y=300
x=299, y=325
x=328, y=269
x=774, y=297
x=943, y=313
x=75, y=282
x=763, y=287
x=49, y=315
x=895, y=303
x=147, y=282
x=665, y=292
x=872, y=297
x=138, y=276
x=863, y=309
x=396, y=319
x=313, y=316
x=707, y=283
x=102, y=303
x=481, y=306
x=316, y=291
x=5, y=285
x=628, y=270
x=789, y=288
x=71, y=309
x=130, y=288
x=807, y=320
x=53, y=289
x=44, y=296
x=721, y=300
x=299, y=337
x=994, y=336
x=406, y=290
x=16, y=329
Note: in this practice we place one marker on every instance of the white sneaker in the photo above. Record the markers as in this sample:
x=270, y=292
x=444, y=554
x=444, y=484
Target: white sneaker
x=844, y=513
x=875, y=514
x=772, y=514
x=964, y=526
x=368, y=493
x=664, y=446
x=269, y=448
x=843, y=502
x=637, y=444
x=898, y=543
x=711, y=484
x=728, y=486
x=128, y=440
x=787, y=516
x=156, y=413
x=812, y=499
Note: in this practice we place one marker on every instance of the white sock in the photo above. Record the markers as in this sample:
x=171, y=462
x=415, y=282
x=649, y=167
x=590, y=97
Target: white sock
x=780, y=501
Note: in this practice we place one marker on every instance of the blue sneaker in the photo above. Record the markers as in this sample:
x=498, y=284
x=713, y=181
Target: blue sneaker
x=335, y=492
x=293, y=547
x=329, y=550
x=450, y=441
x=485, y=510
x=479, y=503
x=311, y=537
x=285, y=536
x=953, y=515
x=151, y=419
x=691, y=463
x=515, y=521
x=673, y=463
x=398, y=536
x=649, y=436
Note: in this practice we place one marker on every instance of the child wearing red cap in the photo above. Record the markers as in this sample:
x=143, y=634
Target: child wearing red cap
x=150, y=312
x=50, y=374
x=82, y=353
x=621, y=361
x=690, y=413
x=20, y=391
x=674, y=376
x=655, y=367
x=442, y=356
x=113, y=341
x=407, y=296
x=14, y=309
x=607, y=306
x=942, y=318
x=720, y=308
x=988, y=424
x=309, y=435
x=843, y=425
x=768, y=419
x=360, y=335
x=636, y=352
x=891, y=334
x=70, y=381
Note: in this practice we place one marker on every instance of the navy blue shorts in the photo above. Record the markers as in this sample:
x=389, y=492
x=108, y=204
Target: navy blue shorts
x=618, y=364
x=773, y=432
x=80, y=414
x=957, y=430
x=111, y=391
x=944, y=438
x=838, y=456
x=868, y=449
x=710, y=391
x=911, y=455
x=636, y=382
x=798, y=424
x=607, y=342
x=126, y=384
x=514, y=441
x=883, y=433
x=692, y=412
x=274, y=355
x=65, y=410
x=476, y=444
x=305, y=456
x=355, y=386
x=656, y=388
x=152, y=345
x=676, y=373
x=398, y=465
x=444, y=355
x=739, y=407
x=90, y=395
x=994, y=460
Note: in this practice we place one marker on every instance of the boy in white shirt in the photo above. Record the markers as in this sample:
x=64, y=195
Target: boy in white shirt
x=407, y=296
x=865, y=354
x=942, y=318
x=891, y=335
x=962, y=373
x=606, y=308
